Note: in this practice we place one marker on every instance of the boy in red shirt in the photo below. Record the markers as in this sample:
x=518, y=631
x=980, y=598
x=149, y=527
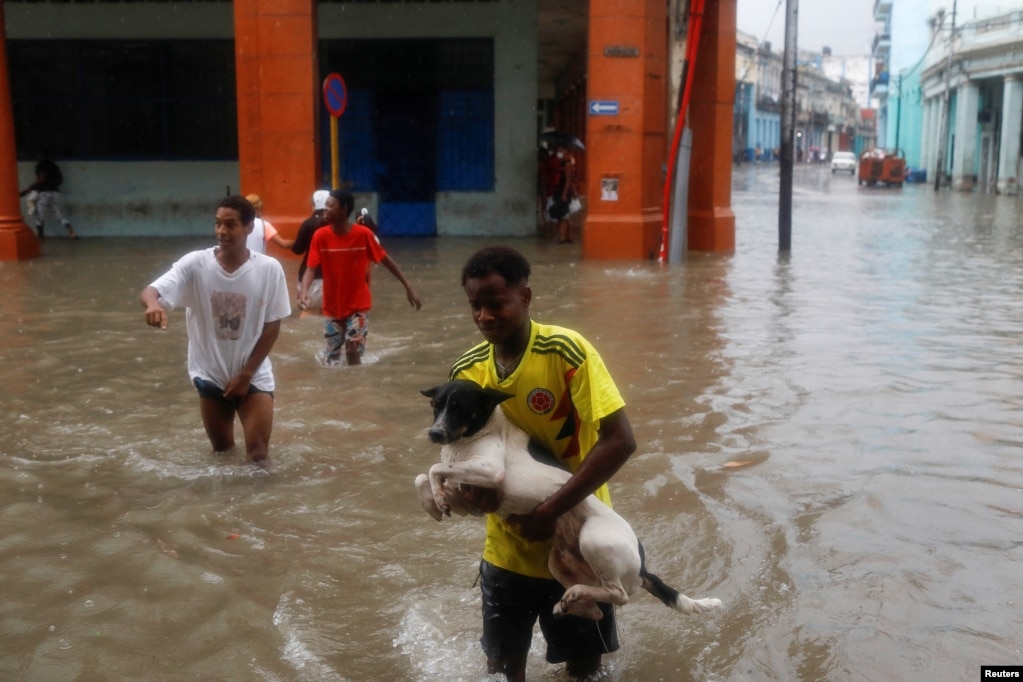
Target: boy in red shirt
x=343, y=250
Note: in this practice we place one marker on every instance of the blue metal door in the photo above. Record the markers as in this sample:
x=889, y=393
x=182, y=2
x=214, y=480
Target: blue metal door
x=406, y=178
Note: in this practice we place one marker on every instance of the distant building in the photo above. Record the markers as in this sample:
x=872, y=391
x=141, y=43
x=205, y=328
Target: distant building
x=828, y=110
x=854, y=70
x=972, y=100
x=899, y=47
x=745, y=124
x=767, y=97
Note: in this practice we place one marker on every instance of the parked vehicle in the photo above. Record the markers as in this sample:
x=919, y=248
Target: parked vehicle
x=843, y=161
x=879, y=166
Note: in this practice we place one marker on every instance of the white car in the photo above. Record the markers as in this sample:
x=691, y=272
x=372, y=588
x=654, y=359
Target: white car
x=843, y=161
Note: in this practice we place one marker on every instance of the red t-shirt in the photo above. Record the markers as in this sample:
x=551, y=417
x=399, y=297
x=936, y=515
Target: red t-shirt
x=343, y=259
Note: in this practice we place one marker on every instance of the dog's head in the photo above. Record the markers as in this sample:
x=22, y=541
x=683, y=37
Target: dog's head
x=461, y=408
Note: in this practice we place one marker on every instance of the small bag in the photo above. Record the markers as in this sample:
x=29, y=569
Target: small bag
x=558, y=210
x=575, y=206
x=30, y=202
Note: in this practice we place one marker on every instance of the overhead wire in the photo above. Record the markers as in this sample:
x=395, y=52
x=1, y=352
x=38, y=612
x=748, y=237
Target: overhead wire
x=770, y=24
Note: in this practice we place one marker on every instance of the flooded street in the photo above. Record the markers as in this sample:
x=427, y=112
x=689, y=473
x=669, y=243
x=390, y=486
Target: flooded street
x=829, y=442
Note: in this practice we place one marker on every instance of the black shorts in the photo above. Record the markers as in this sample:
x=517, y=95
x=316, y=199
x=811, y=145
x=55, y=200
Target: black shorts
x=512, y=603
x=208, y=389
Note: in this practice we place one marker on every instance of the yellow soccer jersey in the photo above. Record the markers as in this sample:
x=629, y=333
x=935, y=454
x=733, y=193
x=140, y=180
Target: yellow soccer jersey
x=562, y=390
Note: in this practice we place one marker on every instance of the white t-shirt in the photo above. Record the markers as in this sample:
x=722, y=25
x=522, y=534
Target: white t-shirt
x=262, y=232
x=225, y=312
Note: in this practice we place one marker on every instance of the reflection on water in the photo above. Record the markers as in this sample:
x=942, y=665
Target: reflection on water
x=828, y=441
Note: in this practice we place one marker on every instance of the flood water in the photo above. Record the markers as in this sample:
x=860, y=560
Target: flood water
x=830, y=442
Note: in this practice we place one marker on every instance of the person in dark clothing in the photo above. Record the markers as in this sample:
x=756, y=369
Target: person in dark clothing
x=300, y=247
x=559, y=174
x=47, y=188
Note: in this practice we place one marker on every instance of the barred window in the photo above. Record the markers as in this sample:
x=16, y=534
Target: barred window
x=124, y=99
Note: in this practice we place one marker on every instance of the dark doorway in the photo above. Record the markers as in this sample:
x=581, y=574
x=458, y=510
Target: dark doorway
x=419, y=120
x=406, y=178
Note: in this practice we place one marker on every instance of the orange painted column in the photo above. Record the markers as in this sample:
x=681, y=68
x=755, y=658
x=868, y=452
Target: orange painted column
x=17, y=242
x=711, y=222
x=625, y=128
x=278, y=103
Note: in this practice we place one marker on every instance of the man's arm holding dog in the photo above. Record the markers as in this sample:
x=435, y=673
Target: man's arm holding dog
x=615, y=444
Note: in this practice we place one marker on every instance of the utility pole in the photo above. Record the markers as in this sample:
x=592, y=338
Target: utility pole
x=939, y=170
x=898, y=115
x=788, y=126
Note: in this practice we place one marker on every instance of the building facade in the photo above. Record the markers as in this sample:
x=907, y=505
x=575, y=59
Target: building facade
x=138, y=101
x=828, y=117
x=853, y=69
x=901, y=44
x=155, y=108
x=743, y=143
x=972, y=89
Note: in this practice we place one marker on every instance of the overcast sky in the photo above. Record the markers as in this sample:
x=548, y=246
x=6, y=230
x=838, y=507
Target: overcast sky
x=846, y=26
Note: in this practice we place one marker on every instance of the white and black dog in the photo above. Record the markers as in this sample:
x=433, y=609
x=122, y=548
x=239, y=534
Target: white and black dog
x=595, y=554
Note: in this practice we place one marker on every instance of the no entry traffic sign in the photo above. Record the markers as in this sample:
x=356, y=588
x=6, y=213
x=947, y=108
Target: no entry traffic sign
x=335, y=94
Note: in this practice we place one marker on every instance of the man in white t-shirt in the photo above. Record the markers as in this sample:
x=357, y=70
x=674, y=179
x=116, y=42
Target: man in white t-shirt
x=234, y=301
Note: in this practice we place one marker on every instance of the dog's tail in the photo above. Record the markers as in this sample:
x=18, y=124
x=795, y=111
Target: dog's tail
x=670, y=596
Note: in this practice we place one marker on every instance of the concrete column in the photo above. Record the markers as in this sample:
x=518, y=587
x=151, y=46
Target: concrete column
x=927, y=135
x=964, y=162
x=938, y=170
x=279, y=97
x=1012, y=122
x=711, y=225
x=626, y=133
x=17, y=242
x=882, y=124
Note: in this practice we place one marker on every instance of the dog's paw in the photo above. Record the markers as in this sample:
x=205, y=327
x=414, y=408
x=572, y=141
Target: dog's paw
x=440, y=502
x=584, y=608
x=432, y=510
x=426, y=497
x=576, y=601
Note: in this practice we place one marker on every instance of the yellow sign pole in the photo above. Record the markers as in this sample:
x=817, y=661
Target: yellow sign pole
x=334, y=179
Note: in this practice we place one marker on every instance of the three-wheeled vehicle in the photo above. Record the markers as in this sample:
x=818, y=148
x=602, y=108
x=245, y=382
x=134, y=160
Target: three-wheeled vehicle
x=884, y=167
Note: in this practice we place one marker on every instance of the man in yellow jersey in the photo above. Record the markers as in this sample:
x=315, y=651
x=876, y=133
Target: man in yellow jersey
x=565, y=399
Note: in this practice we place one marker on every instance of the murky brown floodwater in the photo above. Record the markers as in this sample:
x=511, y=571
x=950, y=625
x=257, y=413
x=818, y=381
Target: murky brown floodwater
x=871, y=383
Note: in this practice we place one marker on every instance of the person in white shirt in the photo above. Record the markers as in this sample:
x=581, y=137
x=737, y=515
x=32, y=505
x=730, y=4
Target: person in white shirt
x=262, y=231
x=234, y=301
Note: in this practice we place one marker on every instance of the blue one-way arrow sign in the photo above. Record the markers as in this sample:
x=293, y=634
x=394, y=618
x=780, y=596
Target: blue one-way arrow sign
x=603, y=108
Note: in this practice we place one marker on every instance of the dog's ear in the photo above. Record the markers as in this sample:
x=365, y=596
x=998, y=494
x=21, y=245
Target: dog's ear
x=497, y=397
x=430, y=392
